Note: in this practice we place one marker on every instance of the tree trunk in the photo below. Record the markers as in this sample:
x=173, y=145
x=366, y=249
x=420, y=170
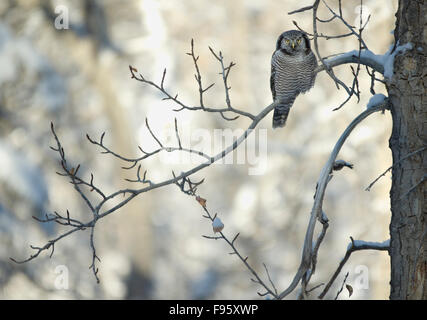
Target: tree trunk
x=407, y=92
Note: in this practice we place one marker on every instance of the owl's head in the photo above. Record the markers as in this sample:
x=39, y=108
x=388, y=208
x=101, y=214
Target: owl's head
x=293, y=41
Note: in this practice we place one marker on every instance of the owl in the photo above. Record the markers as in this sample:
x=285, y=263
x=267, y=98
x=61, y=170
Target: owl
x=292, y=72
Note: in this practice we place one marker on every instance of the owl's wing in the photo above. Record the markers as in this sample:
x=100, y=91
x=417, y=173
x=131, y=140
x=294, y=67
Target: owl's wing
x=272, y=81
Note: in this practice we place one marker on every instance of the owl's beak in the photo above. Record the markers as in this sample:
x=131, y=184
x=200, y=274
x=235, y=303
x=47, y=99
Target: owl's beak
x=293, y=44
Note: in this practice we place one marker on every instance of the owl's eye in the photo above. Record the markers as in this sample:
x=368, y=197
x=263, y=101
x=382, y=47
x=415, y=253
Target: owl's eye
x=287, y=41
x=299, y=41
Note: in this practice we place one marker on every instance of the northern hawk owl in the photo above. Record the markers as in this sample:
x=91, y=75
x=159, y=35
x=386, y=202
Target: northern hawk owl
x=292, y=72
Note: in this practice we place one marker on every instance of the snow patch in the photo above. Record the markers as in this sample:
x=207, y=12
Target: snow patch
x=388, y=58
x=375, y=100
x=217, y=225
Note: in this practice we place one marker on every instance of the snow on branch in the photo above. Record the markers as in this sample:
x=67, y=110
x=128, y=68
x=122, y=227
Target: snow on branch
x=380, y=63
x=354, y=245
x=375, y=100
x=106, y=204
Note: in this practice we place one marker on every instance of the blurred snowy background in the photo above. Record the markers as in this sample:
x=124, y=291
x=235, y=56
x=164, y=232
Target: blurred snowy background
x=152, y=248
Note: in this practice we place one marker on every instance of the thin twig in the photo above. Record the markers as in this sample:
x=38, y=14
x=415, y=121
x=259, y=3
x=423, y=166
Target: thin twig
x=235, y=251
x=422, y=180
x=368, y=188
x=342, y=286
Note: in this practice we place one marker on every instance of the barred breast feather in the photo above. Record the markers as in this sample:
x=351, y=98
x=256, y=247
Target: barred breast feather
x=290, y=76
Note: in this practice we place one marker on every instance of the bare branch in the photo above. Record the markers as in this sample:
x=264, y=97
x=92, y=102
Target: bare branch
x=235, y=251
x=368, y=188
x=316, y=48
x=342, y=286
x=269, y=279
x=152, y=134
x=177, y=134
x=321, y=35
x=224, y=72
x=198, y=76
x=310, y=272
x=351, y=28
x=301, y=10
x=94, y=256
x=320, y=192
x=135, y=161
x=352, y=247
x=50, y=244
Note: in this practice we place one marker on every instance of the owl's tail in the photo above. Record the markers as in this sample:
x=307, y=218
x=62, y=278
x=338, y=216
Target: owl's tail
x=281, y=113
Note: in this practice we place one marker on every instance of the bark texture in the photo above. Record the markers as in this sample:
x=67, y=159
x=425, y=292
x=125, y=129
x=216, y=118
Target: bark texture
x=407, y=92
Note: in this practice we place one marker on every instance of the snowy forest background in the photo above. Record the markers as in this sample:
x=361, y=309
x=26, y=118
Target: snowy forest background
x=152, y=248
